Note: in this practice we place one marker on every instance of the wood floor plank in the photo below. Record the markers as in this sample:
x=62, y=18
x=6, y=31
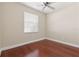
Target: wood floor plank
x=43, y=48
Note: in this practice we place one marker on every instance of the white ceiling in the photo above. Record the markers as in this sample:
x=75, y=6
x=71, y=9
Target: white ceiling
x=57, y=6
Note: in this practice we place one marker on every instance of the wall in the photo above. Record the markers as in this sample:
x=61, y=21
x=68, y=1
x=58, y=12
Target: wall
x=61, y=25
x=13, y=24
x=1, y=25
x=64, y=25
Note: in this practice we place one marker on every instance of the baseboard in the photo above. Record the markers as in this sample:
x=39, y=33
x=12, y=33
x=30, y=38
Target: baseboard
x=0, y=52
x=17, y=45
x=70, y=44
x=48, y=38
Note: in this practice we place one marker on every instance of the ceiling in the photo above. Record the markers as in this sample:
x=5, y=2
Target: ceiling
x=57, y=6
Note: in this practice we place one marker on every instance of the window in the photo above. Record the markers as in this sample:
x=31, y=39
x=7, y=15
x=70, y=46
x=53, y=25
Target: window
x=30, y=22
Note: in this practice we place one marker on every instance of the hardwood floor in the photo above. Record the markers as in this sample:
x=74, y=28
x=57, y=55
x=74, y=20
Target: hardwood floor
x=43, y=48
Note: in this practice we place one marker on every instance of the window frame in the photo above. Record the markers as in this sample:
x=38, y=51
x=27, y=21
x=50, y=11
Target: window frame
x=37, y=24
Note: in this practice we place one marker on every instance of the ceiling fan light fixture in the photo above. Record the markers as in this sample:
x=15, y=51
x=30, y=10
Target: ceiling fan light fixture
x=47, y=4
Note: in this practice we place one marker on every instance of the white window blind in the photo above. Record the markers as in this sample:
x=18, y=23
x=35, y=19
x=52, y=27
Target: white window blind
x=30, y=22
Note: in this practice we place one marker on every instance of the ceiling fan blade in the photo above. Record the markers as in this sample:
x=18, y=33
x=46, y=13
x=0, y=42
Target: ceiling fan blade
x=44, y=7
x=50, y=7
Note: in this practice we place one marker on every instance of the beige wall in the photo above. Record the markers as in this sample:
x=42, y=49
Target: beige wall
x=13, y=25
x=64, y=25
x=1, y=26
x=61, y=25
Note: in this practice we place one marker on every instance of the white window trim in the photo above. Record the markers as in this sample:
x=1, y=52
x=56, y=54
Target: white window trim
x=38, y=24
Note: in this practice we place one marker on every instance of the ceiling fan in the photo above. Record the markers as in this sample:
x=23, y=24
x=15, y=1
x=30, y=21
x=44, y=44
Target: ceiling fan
x=47, y=4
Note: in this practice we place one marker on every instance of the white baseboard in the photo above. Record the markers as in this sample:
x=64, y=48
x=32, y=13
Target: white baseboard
x=17, y=45
x=0, y=52
x=70, y=44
